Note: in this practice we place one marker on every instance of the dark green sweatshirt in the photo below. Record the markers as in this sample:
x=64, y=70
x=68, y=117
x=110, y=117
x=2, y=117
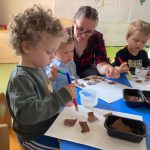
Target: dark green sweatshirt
x=31, y=104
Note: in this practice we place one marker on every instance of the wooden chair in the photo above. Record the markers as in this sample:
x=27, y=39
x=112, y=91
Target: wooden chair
x=8, y=139
x=5, y=122
x=4, y=137
x=5, y=117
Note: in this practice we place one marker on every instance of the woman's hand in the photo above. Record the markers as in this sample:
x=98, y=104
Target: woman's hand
x=106, y=69
x=112, y=72
x=53, y=73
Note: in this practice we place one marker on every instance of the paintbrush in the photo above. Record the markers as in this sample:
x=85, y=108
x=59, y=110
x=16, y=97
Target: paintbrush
x=74, y=100
x=61, y=72
x=69, y=81
x=129, y=73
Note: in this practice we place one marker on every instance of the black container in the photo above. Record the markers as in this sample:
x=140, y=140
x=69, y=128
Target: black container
x=138, y=129
x=127, y=93
x=146, y=98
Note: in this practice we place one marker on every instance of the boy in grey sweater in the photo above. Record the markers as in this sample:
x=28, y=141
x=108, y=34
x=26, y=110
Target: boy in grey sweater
x=35, y=35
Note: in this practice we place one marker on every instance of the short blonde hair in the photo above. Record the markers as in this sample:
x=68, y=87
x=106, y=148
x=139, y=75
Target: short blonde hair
x=32, y=25
x=139, y=25
x=67, y=40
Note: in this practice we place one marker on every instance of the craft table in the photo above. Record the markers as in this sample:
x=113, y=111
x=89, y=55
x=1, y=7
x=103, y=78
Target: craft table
x=119, y=106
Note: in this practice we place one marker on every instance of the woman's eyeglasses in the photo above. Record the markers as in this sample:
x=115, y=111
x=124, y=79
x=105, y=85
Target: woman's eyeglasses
x=81, y=30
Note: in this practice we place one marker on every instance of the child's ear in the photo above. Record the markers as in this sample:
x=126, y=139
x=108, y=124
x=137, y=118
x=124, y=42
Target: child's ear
x=26, y=47
x=127, y=38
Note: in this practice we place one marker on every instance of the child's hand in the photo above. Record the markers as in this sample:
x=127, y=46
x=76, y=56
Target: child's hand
x=53, y=73
x=71, y=88
x=124, y=67
x=69, y=104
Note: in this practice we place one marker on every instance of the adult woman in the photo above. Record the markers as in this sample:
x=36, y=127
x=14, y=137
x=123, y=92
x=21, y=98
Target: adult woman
x=90, y=53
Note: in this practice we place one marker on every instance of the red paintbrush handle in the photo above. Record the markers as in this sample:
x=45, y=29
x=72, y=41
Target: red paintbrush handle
x=75, y=104
x=121, y=61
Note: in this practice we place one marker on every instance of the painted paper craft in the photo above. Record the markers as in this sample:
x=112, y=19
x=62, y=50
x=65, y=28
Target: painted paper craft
x=91, y=117
x=140, y=83
x=105, y=89
x=118, y=125
x=70, y=122
x=97, y=137
x=84, y=126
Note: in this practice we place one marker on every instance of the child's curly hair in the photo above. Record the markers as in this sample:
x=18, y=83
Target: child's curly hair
x=139, y=25
x=31, y=25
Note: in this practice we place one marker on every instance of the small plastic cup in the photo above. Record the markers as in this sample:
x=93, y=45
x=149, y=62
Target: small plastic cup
x=141, y=71
x=88, y=98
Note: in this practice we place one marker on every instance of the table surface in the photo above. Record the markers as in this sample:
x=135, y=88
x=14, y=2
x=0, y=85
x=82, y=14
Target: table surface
x=119, y=106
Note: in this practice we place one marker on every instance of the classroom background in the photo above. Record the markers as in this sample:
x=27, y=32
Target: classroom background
x=115, y=16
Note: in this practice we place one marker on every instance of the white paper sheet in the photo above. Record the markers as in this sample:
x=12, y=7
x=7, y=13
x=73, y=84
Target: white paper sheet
x=144, y=85
x=97, y=137
x=105, y=91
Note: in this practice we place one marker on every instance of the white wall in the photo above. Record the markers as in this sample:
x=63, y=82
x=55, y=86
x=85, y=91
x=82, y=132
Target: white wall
x=115, y=15
x=114, y=34
x=11, y=7
x=110, y=11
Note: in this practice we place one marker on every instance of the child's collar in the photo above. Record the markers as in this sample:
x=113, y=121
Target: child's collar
x=133, y=53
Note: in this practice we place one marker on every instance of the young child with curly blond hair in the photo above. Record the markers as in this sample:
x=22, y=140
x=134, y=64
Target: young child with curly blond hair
x=35, y=35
